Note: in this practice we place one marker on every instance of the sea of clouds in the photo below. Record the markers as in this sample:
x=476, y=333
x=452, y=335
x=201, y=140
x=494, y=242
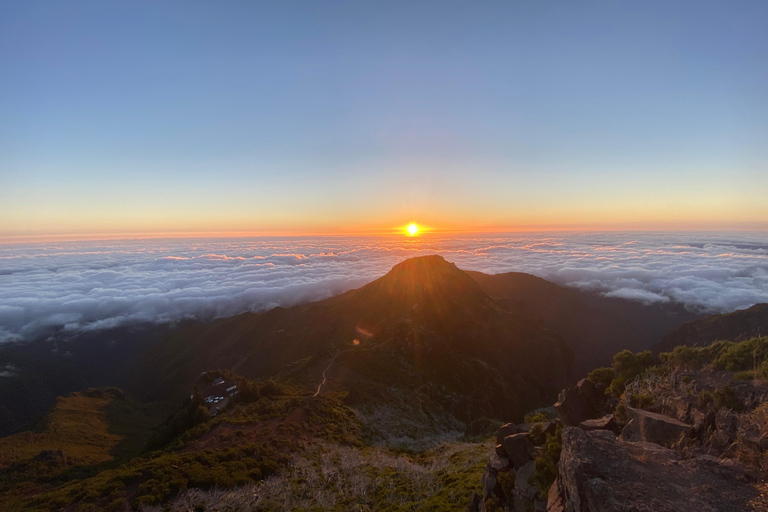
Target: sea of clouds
x=92, y=285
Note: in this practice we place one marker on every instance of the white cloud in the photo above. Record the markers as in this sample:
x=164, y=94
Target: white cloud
x=96, y=285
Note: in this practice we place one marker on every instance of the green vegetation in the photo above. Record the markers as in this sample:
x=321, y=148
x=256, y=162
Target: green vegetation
x=743, y=356
x=626, y=366
x=546, y=462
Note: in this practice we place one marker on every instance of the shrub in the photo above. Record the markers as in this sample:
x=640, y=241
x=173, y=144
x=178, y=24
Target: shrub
x=602, y=377
x=726, y=397
x=546, y=463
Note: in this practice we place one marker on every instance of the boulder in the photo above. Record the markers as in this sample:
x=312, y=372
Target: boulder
x=604, y=423
x=594, y=396
x=524, y=492
x=573, y=408
x=517, y=448
x=656, y=428
x=506, y=430
x=598, y=471
x=703, y=422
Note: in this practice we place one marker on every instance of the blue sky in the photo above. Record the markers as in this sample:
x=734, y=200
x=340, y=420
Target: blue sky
x=120, y=117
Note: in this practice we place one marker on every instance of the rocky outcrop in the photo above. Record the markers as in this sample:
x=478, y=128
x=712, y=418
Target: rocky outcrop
x=655, y=428
x=517, y=449
x=599, y=472
x=573, y=408
x=605, y=423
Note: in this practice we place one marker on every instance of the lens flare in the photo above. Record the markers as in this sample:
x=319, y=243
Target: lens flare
x=412, y=229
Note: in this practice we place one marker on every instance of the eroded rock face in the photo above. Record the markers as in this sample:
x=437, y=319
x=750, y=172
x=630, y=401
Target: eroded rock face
x=599, y=472
x=656, y=428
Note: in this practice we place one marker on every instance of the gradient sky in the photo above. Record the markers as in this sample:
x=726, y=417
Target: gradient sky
x=317, y=117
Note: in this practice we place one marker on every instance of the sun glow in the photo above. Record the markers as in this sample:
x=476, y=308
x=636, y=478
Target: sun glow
x=412, y=229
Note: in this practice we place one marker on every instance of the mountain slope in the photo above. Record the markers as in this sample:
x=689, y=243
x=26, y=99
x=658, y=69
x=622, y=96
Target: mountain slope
x=738, y=325
x=595, y=327
x=425, y=325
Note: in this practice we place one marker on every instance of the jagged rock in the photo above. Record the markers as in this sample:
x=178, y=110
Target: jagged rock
x=573, y=408
x=506, y=430
x=517, y=449
x=500, y=451
x=656, y=428
x=524, y=492
x=594, y=396
x=491, y=486
x=598, y=472
x=474, y=503
x=604, y=423
x=555, y=502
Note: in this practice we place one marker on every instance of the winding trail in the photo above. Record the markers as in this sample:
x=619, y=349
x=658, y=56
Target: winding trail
x=325, y=379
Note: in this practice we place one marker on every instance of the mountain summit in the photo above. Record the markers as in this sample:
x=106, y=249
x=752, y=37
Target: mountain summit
x=426, y=325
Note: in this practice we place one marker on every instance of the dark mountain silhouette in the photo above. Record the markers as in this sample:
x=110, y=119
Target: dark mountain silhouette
x=736, y=326
x=595, y=327
x=425, y=325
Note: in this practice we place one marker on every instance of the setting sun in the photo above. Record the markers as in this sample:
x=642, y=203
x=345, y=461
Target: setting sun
x=412, y=229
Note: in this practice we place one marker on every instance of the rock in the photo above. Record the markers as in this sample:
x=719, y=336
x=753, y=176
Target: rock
x=524, y=492
x=490, y=481
x=539, y=505
x=500, y=451
x=604, y=423
x=594, y=396
x=573, y=408
x=474, y=503
x=555, y=502
x=598, y=472
x=517, y=449
x=676, y=407
x=506, y=430
x=656, y=428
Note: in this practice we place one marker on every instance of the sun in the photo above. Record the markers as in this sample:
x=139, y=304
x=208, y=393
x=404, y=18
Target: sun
x=412, y=229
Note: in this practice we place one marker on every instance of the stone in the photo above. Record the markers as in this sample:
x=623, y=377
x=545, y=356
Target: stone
x=598, y=471
x=572, y=408
x=517, y=448
x=474, y=503
x=595, y=397
x=506, y=430
x=490, y=481
x=604, y=423
x=555, y=502
x=524, y=492
x=656, y=428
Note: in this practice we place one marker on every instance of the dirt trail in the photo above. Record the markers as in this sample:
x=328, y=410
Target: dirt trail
x=325, y=379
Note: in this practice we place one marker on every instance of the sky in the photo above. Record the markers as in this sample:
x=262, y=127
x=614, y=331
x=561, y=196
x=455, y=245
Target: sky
x=297, y=117
x=67, y=288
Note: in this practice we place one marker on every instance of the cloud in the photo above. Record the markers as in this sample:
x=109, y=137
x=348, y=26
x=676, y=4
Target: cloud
x=98, y=285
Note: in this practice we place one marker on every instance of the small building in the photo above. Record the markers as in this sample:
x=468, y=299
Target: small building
x=217, y=394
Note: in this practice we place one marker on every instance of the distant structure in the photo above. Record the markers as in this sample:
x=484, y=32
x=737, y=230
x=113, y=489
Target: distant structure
x=218, y=393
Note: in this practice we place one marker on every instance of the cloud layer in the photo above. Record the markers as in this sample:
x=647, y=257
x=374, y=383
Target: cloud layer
x=94, y=285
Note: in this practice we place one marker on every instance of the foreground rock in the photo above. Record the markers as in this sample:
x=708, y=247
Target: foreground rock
x=572, y=407
x=598, y=472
